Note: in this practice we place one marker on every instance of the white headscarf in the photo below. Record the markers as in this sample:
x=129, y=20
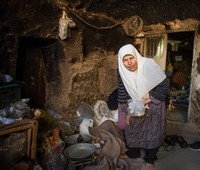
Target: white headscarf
x=148, y=74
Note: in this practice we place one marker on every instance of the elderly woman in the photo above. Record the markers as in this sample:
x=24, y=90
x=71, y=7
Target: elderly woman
x=141, y=79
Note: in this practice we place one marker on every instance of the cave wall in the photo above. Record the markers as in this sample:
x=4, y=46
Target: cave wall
x=88, y=58
x=81, y=80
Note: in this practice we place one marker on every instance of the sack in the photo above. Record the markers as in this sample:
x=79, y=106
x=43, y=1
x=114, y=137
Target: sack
x=136, y=107
x=64, y=24
x=72, y=24
x=12, y=149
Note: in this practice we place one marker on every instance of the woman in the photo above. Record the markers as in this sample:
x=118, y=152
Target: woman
x=142, y=79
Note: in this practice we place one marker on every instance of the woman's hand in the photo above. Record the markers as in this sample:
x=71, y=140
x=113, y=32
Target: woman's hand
x=146, y=101
x=127, y=118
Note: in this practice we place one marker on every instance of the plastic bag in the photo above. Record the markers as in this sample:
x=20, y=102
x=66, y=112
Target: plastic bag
x=54, y=159
x=12, y=149
x=19, y=109
x=136, y=107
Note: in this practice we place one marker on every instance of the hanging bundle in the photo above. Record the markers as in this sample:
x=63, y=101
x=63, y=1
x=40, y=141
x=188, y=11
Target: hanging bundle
x=64, y=24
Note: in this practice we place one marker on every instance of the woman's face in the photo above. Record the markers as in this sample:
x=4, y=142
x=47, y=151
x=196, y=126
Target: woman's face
x=130, y=62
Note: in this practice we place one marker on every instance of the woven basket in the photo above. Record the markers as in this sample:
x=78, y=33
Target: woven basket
x=133, y=26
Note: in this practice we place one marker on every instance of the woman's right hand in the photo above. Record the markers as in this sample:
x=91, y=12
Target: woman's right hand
x=127, y=118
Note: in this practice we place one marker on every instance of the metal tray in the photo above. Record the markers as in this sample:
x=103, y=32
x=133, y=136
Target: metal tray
x=80, y=151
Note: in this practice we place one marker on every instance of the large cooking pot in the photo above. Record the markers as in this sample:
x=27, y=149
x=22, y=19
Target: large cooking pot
x=80, y=151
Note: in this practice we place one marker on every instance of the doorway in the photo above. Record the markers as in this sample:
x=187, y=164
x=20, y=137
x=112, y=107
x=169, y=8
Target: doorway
x=178, y=70
x=30, y=71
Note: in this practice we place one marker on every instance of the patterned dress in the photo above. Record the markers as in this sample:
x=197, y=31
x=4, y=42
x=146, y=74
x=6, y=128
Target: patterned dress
x=147, y=131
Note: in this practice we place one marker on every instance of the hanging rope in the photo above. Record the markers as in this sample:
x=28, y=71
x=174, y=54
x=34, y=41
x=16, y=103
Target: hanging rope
x=95, y=27
x=132, y=27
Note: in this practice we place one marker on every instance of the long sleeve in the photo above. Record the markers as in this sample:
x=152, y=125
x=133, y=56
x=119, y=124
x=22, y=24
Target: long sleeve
x=123, y=95
x=161, y=90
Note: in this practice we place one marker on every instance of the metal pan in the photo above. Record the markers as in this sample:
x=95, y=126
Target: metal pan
x=80, y=151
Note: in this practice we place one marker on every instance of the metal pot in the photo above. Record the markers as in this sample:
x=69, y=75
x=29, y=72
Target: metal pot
x=80, y=151
x=77, y=138
x=85, y=109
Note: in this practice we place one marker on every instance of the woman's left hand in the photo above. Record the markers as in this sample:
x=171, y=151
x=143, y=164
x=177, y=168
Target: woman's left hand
x=146, y=101
x=127, y=118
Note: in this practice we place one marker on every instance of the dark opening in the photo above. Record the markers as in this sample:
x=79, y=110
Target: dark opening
x=179, y=65
x=31, y=70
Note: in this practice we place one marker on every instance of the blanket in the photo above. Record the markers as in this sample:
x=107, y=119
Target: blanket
x=105, y=158
x=109, y=157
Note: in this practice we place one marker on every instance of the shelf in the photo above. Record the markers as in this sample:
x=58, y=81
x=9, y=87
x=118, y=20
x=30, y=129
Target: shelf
x=31, y=126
